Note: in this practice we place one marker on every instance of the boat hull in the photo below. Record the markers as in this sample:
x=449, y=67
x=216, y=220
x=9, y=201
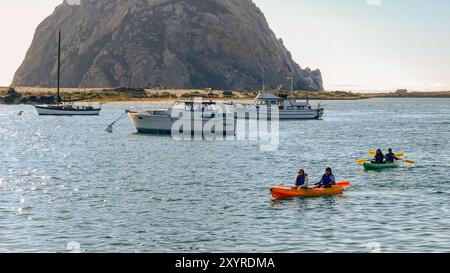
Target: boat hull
x=249, y=113
x=282, y=192
x=374, y=167
x=152, y=124
x=44, y=111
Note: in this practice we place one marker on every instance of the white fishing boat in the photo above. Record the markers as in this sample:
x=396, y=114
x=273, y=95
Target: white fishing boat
x=185, y=117
x=61, y=108
x=286, y=109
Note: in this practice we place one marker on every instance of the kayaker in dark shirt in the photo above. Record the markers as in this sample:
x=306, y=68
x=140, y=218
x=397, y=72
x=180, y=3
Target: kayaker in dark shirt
x=327, y=180
x=302, y=180
x=379, y=157
x=390, y=157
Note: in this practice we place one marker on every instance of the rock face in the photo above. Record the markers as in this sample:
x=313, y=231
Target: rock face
x=161, y=43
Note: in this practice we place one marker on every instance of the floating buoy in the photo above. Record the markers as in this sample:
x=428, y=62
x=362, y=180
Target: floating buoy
x=20, y=113
x=109, y=129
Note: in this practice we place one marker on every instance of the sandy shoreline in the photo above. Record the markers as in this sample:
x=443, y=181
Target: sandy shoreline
x=163, y=95
x=30, y=95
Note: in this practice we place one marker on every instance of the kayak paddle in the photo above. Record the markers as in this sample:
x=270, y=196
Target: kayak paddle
x=409, y=161
x=344, y=184
x=373, y=153
x=361, y=161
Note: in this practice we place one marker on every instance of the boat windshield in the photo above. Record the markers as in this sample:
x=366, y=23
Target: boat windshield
x=269, y=102
x=191, y=106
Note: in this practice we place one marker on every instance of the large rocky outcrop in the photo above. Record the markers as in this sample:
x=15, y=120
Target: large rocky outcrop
x=223, y=44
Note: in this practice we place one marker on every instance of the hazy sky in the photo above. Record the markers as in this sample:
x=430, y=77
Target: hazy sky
x=358, y=44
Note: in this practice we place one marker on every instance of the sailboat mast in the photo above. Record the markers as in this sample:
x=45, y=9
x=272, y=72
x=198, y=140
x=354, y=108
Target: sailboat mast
x=59, y=67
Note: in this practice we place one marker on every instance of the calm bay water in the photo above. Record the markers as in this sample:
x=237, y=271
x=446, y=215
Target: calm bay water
x=65, y=182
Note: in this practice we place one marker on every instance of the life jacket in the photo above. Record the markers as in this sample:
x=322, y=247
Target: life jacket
x=379, y=159
x=390, y=158
x=326, y=180
x=300, y=181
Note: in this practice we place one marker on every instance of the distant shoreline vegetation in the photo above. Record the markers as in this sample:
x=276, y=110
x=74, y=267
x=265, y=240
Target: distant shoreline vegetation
x=36, y=95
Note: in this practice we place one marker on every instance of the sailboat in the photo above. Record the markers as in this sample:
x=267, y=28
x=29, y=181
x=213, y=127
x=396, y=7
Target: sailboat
x=61, y=108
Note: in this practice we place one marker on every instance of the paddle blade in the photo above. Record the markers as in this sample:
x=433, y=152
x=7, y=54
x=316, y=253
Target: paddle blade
x=409, y=161
x=372, y=153
x=344, y=184
x=400, y=154
x=361, y=161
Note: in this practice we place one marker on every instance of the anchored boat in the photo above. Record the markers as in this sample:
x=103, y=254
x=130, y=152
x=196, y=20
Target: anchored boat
x=285, y=108
x=67, y=110
x=61, y=108
x=184, y=117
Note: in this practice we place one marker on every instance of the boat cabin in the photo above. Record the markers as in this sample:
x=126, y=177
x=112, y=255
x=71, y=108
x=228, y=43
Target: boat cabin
x=269, y=99
x=194, y=106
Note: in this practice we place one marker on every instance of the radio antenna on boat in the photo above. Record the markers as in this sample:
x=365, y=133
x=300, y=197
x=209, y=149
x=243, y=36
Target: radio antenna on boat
x=292, y=84
x=264, y=87
x=291, y=78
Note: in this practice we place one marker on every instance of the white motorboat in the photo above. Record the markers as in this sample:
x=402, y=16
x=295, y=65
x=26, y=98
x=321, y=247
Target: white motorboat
x=61, y=108
x=185, y=117
x=286, y=108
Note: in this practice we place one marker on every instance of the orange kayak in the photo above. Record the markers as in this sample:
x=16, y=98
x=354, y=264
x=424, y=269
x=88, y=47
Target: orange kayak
x=280, y=192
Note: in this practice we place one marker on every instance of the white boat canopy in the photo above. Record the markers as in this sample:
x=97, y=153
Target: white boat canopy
x=268, y=96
